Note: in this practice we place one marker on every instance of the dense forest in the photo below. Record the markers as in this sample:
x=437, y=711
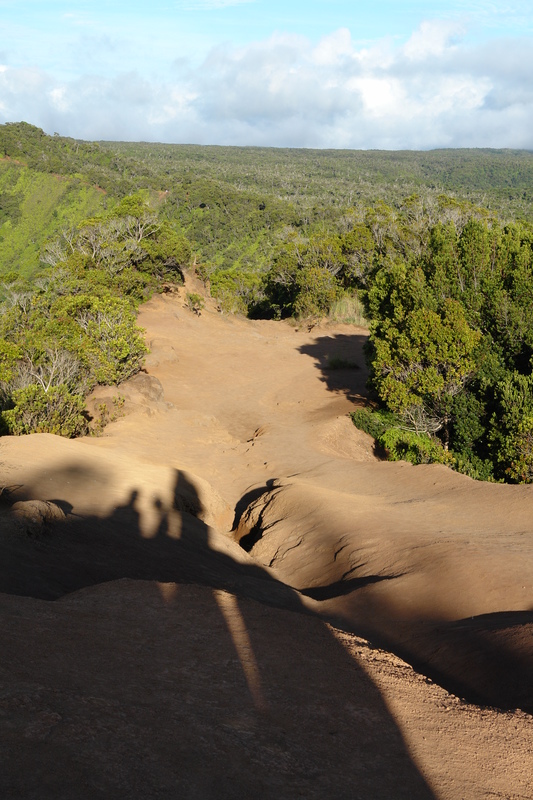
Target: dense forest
x=434, y=249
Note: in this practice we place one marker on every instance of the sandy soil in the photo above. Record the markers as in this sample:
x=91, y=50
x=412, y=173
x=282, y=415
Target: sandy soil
x=247, y=601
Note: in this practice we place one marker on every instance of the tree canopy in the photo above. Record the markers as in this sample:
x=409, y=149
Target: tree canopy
x=437, y=247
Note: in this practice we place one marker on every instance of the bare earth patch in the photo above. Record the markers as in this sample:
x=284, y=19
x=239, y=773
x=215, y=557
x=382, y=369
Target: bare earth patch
x=228, y=595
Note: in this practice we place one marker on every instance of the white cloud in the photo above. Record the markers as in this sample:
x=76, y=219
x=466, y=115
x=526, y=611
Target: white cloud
x=380, y=95
x=432, y=38
x=58, y=98
x=433, y=91
x=331, y=49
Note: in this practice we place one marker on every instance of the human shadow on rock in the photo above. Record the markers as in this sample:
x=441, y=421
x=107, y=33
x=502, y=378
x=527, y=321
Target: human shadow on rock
x=184, y=691
x=483, y=661
x=62, y=556
x=189, y=692
x=175, y=545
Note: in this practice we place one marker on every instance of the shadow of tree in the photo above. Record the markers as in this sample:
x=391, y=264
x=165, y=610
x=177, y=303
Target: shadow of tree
x=341, y=360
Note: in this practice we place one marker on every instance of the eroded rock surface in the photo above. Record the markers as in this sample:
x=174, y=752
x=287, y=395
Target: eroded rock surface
x=228, y=559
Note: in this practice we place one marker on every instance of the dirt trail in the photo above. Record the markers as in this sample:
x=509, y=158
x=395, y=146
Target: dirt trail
x=252, y=401
x=236, y=468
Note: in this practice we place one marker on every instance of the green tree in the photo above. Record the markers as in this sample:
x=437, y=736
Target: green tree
x=518, y=452
x=317, y=290
x=421, y=357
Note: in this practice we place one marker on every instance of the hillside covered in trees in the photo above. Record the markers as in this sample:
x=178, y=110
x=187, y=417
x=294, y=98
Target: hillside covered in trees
x=434, y=248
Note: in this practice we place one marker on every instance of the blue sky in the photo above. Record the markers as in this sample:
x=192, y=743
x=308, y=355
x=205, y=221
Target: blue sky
x=392, y=75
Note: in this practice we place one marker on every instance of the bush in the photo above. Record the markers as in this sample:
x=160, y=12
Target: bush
x=375, y=423
x=36, y=411
x=519, y=452
x=474, y=467
x=169, y=253
x=400, y=444
x=113, y=346
x=417, y=448
x=195, y=302
x=317, y=291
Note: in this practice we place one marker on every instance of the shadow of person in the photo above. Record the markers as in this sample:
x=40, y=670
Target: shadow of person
x=325, y=719
x=86, y=550
x=202, y=695
x=491, y=666
x=191, y=693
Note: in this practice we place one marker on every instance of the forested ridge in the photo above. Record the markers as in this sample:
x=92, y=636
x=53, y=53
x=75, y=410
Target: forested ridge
x=435, y=249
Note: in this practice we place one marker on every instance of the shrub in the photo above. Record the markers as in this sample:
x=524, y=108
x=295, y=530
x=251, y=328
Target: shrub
x=195, y=302
x=317, y=291
x=398, y=443
x=375, y=423
x=474, y=467
x=114, y=347
x=55, y=411
x=417, y=448
x=519, y=452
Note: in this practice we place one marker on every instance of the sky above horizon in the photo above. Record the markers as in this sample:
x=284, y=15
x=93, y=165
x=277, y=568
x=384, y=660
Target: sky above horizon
x=337, y=74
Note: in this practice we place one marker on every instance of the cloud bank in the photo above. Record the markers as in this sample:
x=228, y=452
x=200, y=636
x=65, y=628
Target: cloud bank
x=432, y=91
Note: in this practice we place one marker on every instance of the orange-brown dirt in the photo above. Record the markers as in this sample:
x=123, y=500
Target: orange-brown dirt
x=229, y=595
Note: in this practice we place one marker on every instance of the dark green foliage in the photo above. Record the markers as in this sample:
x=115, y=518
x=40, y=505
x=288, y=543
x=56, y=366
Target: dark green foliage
x=316, y=291
x=302, y=280
x=320, y=180
x=235, y=205
x=168, y=253
x=447, y=285
x=56, y=346
x=398, y=443
x=451, y=345
x=417, y=448
x=38, y=411
x=469, y=421
x=375, y=423
x=517, y=452
x=358, y=248
x=75, y=326
x=22, y=143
